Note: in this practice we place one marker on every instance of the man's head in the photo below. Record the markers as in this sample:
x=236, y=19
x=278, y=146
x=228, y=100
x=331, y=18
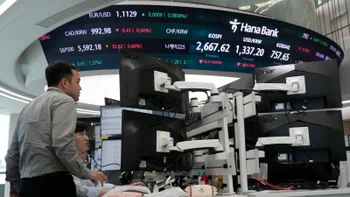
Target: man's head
x=65, y=77
x=81, y=139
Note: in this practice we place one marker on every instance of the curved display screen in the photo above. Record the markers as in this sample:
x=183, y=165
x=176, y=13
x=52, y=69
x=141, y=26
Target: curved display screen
x=200, y=39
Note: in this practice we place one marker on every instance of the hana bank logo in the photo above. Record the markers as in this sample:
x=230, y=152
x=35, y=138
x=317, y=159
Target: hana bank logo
x=234, y=24
x=247, y=28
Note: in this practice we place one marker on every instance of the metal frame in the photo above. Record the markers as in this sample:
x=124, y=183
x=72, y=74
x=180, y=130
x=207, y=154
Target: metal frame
x=235, y=108
x=245, y=108
x=213, y=118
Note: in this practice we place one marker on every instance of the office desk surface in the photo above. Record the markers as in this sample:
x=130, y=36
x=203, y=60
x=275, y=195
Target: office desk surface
x=299, y=193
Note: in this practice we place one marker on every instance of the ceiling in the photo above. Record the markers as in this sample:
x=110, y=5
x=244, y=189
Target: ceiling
x=302, y=12
x=9, y=105
x=22, y=67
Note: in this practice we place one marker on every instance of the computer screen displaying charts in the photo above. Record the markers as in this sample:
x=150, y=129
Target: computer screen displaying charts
x=98, y=135
x=98, y=157
x=111, y=154
x=111, y=119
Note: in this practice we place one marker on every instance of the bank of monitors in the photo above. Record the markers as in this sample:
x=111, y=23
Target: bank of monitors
x=316, y=161
x=318, y=83
x=139, y=142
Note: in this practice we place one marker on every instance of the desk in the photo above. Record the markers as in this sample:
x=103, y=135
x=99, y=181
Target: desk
x=301, y=193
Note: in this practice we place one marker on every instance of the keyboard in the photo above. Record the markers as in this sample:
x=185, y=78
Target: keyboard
x=120, y=189
x=172, y=192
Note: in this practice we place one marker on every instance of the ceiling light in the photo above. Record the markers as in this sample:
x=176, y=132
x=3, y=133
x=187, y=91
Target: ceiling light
x=13, y=98
x=265, y=3
x=5, y=5
x=346, y=102
x=247, y=7
x=26, y=100
x=88, y=111
x=14, y=94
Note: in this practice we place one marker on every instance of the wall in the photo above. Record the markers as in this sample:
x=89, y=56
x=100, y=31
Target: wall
x=347, y=127
x=4, y=129
x=4, y=132
x=333, y=21
x=12, y=126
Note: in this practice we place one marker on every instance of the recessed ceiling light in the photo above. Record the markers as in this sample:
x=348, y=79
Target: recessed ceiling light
x=346, y=102
x=5, y=5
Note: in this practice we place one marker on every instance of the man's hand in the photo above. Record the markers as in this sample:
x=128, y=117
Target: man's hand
x=96, y=177
x=13, y=193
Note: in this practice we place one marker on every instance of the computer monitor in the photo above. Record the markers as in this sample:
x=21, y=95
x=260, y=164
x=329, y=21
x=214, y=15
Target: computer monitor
x=98, y=158
x=111, y=102
x=111, y=121
x=322, y=86
x=97, y=132
x=325, y=130
x=111, y=154
x=137, y=83
x=318, y=175
x=327, y=144
x=139, y=139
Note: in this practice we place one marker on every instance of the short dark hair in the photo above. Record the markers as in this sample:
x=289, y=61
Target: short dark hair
x=58, y=70
x=80, y=127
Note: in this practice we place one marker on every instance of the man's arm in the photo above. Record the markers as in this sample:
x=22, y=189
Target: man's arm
x=106, y=186
x=12, y=162
x=85, y=190
x=64, y=117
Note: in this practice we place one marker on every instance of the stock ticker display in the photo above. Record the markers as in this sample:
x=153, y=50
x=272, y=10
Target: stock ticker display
x=200, y=39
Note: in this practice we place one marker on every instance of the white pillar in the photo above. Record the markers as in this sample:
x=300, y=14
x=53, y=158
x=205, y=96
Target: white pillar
x=12, y=126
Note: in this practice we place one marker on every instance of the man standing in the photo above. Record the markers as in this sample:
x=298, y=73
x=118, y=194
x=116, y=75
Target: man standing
x=42, y=155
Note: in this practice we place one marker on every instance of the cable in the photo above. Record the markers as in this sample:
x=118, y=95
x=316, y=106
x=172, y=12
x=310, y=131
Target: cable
x=142, y=176
x=292, y=107
x=190, y=119
x=164, y=168
x=208, y=97
x=231, y=105
x=174, y=115
x=160, y=168
x=271, y=185
x=102, y=166
x=163, y=110
x=193, y=162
